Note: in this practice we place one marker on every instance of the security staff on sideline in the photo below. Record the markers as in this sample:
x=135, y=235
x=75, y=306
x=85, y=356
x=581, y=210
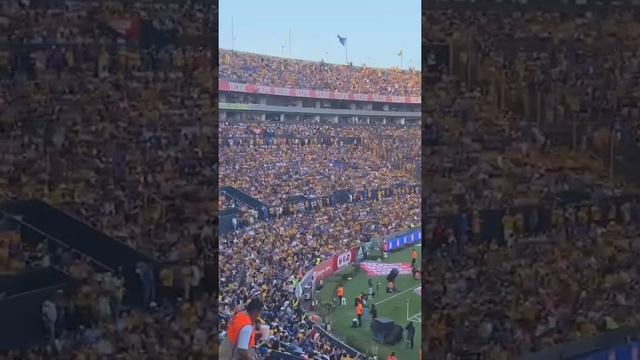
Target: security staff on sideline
x=414, y=254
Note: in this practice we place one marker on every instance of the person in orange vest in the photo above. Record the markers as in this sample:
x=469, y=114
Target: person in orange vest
x=385, y=249
x=240, y=340
x=340, y=294
x=357, y=300
x=414, y=255
x=392, y=356
x=359, y=311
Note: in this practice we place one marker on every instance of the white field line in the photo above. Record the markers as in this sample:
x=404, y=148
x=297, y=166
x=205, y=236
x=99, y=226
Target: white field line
x=417, y=317
x=398, y=294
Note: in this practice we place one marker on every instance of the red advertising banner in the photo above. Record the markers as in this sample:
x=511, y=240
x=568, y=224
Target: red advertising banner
x=346, y=258
x=224, y=85
x=343, y=260
x=329, y=267
x=324, y=270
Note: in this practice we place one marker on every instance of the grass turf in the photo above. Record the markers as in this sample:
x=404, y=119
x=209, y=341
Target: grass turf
x=393, y=306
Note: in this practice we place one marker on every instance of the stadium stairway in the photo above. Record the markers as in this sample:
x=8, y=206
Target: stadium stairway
x=40, y=220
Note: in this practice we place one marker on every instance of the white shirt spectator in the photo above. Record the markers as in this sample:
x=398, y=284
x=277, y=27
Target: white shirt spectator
x=49, y=311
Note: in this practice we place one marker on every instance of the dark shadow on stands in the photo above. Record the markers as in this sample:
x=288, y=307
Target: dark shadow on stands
x=20, y=310
x=41, y=220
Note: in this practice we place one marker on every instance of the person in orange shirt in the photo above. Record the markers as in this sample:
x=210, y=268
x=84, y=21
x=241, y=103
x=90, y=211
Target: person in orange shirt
x=414, y=255
x=340, y=294
x=359, y=311
x=239, y=343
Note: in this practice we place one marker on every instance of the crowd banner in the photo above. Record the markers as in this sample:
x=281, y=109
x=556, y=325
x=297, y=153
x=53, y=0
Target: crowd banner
x=616, y=344
x=535, y=219
x=407, y=239
x=347, y=196
x=129, y=27
x=224, y=85
x=621, y=352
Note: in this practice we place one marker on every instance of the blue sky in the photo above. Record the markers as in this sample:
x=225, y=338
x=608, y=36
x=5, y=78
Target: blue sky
x=376, y=30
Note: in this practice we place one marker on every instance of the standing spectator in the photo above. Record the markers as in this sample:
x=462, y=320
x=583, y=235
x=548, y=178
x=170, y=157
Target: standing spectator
x=167, y=282
x=374, y=311
x=187, y=280
x=411, y=331
x=49, y=318
x=196, y=278
x=145, y=273
x=364, y=306
x=103, y=308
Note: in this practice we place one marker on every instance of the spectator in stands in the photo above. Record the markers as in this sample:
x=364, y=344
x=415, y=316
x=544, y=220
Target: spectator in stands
x=49, y=318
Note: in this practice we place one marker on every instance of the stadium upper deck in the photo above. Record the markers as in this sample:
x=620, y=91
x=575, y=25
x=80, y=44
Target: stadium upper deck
x=247, y=68
x=257, y=87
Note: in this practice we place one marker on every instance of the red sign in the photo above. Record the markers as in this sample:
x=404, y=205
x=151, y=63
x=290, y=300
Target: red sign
x=343, y=260
x=346, y=258
x=224, y=85
x=324, y=270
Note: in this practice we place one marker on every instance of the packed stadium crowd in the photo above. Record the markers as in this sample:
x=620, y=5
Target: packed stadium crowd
x=533, y=283
x=310, y=168
x=248, y=68
x=304, y=239
x=65, y=22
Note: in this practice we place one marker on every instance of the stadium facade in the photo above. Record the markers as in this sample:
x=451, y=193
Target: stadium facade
x=248, y=102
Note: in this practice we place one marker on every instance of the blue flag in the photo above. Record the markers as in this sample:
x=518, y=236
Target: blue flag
x=343, y=40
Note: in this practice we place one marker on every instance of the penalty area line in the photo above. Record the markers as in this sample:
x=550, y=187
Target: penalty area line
x=398, y=294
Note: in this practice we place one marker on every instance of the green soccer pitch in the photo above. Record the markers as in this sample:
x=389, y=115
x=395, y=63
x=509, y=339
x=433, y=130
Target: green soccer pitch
x=402, y=307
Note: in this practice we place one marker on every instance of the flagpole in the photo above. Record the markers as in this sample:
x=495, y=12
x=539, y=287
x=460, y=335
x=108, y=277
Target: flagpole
x=232, y=37
x=346, y=59
x=289, y=43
